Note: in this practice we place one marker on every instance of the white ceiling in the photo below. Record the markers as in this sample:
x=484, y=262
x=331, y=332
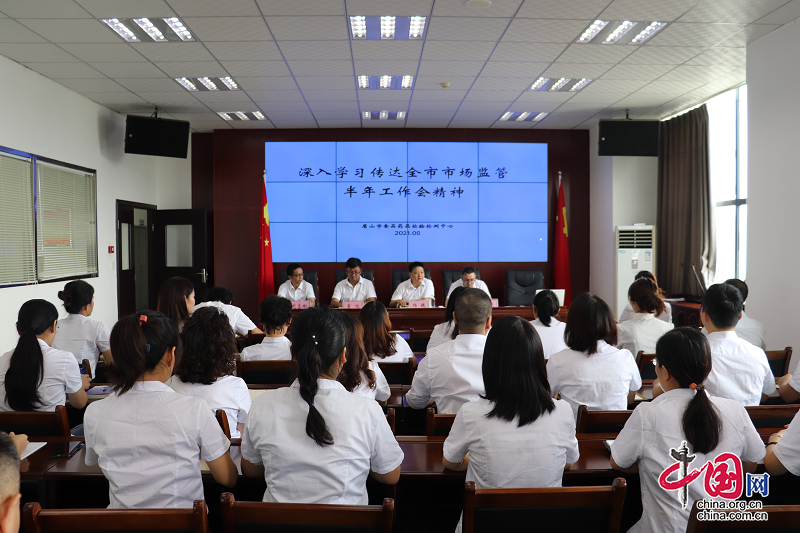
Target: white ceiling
x=296, y=63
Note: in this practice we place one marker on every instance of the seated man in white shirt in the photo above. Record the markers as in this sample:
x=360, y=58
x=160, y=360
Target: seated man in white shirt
x=222, y=298
x=354, y=288
x=451, y=374
x=413, y=289
x=469, y=279
x=748, y=329
x=295, y=289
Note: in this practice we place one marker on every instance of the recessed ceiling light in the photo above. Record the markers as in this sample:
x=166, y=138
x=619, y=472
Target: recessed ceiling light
x=229, y=83
x=363, y=82
x=122, y=30
x=358, y=27
x=401, y=115
x=259, y=115
x=150, y=29
x=506, y=115
x=559, y=84
x=407, y=82
x=593, y=29
x=365, y=115
x=238, y=116
x=224, y=115
x=648, y=32
x=187, y=84
x=384, y=115
x=539, y=117
x=208, y=83
x=144, y=29
x=387, y=27
x=539, y=84
x=416, y=27
x=386, y=82
x=583, y=82
x=624, y=27
x=242, y=115
x=179, y=28
x=522, y=116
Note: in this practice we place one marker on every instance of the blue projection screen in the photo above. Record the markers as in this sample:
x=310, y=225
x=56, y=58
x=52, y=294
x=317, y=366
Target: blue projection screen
x=407, y=201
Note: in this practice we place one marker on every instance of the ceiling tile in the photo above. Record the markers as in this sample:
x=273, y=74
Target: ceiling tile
x=450, y=68
x=545, y=30
x=662, y=55
x=678, y=87
x=577, y=70
x=245, y=51
x=720, y=56
x=50, y=9
x=115, y=99
x=274, y=83
x=331, y=107
x=336, y=115
x=172, y=98
x=256, y=68
x=129, y=70
x=95, y=86
x=283, y=107
x=386, y=124
x=491, y=96
x=616, y=86
x=203, y=127
x=743, y=11
x=299, y=116
x=339, y=123
x=512, y=125
x=72, y=30
x=457, y=50
x=315, y=50
x=466, y=29
x=748, y=35
x=66, y=70
x=508, y=69
x=321, y=68
x=383, y=97
x=12, y=31
x=301, y=28
x=215, y=8
x=126, y=9
x=301, y=7
x=388, y=50
x=484, y=107
x=559, y=9
x=319, y=83
x=430, y=115
x=645, y=99
x=192, y=69
x=295, y=124
x=585, y=97
x=376, y=8
x=491, y=83
x=150, y=85
x=262, y=97
x=647, y=10
x=696, y=73
x=35, y=53
x=426, y=123
x=173, y=51
x=533, y=97
x=198, y=117
x=694, y=34
x=591, y=53
x=456, y=8
x=637, y=72
x=433, y=83
x=784, y=14
x=331, y=96
x=533, y=52
x=463, y=115
x=228, y=28
x=382, y=68
x=104, y=53
x=251, y=124
x=449, y=95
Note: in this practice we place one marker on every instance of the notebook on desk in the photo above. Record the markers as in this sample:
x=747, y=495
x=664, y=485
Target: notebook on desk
x=607, y=443
x=32, y=448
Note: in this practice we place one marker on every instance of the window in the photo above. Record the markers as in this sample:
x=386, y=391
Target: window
x=17, y=246
x=727, y=139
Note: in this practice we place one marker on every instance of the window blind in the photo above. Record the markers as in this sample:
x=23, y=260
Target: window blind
x=17, y=249
x=66, y=222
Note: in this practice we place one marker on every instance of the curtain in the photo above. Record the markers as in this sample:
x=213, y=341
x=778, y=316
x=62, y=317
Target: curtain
x=685, y=227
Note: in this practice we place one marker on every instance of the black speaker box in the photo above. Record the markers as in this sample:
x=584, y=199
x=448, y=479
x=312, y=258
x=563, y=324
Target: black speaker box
x=629, y=137
x=156, y=136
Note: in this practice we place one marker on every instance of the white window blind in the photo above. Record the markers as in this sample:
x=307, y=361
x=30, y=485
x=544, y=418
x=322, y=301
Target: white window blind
x=66, y=222
x=17, y=249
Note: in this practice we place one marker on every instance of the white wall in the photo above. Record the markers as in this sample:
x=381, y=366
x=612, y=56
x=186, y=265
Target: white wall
x=39, y=116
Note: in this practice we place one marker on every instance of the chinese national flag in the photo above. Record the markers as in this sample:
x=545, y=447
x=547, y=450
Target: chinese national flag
x=266, y=283
x=561, y=275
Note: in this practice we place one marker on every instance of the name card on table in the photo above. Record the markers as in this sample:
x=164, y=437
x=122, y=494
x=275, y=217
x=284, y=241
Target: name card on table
x=302, y=304
x=495, y=302
x=353, y=305
x=419, y=303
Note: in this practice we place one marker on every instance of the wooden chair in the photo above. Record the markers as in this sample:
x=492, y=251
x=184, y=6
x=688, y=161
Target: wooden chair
x=266, y=372
x=419, y=339
x=254, y=516
x=398, y=373
x=222, y=418
x=438, y=425
x=38, y=520
x=88, y=366
x=584, y=509
x=405, y=333
x=390, y=419
x=646, y=367
x=601, y=421
x=772, y=416
x=779, y=361
x=36, y=423
x=101, y=372
x=779, y=518
x=255, y=338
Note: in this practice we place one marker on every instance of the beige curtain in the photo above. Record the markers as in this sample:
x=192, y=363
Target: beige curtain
x=685, y=230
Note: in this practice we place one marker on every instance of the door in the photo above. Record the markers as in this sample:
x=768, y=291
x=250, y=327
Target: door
x=134, y=257
x=181, y=247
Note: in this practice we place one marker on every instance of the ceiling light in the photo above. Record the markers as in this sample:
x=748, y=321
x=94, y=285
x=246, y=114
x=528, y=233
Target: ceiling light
x=539, y=117
x=401, y=115
x=384, y=115
x=559, y=84
x=624, y=27
x=583, y=82
x=225, y=116
x=241, y=115
x=540, y=83
x=387, y=27
x=593, y=29
x=366, y=115
x=506, y=115
x=208, y=83
x=407, y=82
x=229, y=83
x=363, y=82
x=122, y=30
x=478, y=4
x=150, y=29
x=179, y=28
x=358, y=27
x=648, y=32
x=522, y=116
x=187, y=84
x=386, y=82
x=259, y=115
x=416, y=28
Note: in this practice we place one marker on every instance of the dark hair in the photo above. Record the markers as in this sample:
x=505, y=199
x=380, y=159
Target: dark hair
x=546, y=304
x=9, y=467
x=378, y=342
x=473, y=308
x=276, y=312
x=589, y=321
x=208, y=347
x=357, y=364
x=76, y=295
x=219, y=294
x=318, y=338
x=172, y=300
x=644, y=274
x=26, y=366
x=644, y=293
x=686, y=355
x=291, y=268
x=139, y=346
x=353, y=262
x=468, y=270
x=514, y=373
x=451, y=306
x=739, y=284
x=414, y=265
x=724, y=305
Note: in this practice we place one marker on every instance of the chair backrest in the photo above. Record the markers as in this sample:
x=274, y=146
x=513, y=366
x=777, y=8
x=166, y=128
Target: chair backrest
x=398, y=373
x=246, y=517
x=451, y=276
x=88, y=366
x=339, y=275
x=101, y=372
x=36, y=423
x=772, y=416
x=438, y=425
x=405, y=333
x=584, y=509
x=399, y=276
x=646, y=367
x=266, y=372
x=779, y=361
x=600, y=421
x=38, y=520
x=222, y=418
x=311, y=276
x=779, y=518
x=391, y=419
x=419, y=339
x=521, y=285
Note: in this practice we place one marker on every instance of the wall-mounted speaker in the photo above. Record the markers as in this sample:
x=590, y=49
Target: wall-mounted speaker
x=629, y=137
x=156, y=136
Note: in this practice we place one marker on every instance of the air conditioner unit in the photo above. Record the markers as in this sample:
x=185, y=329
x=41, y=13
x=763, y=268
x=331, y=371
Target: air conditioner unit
x=635, y=252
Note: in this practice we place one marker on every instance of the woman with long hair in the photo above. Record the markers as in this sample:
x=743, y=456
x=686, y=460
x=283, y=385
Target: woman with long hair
x=83, y=337
x=550, y=330
x=447, y=330
x=378, y=341
x=641, y=333
x=360, y=374
x=665, y=315
x=176, y=300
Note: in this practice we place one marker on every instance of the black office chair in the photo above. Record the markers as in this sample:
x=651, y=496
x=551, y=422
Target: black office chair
x=451, y=276
x=521, y=285
x=399, y=276
x=342, y=274
x=310, y=276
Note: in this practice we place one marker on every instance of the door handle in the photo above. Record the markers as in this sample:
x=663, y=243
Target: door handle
x=203, y=275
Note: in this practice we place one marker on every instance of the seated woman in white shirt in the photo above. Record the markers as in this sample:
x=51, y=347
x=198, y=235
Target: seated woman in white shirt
x=550, y=330
x=516, y=435
x=34, y=376
x=148, y=439
x=78, y=334
x=783, y=451
x=592, y=371
x=378, y=341
x=222, y=298
x=275, y=317
x=295, y=288
x=628, y=312
x=447, y=330
x=684, y=415
x=416, y=287
x=359, y=374
x=176, y=300
x=314, y=442
x=641, y=332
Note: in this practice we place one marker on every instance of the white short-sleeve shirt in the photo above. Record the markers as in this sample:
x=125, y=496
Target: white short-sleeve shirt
x=381, y=392
x=228, y=393
x=478, y=285
x=61, y=376
x=788, y=448
x=344, y=292
x=552, y=336
x=600, y=381
x=407, y=292
x=451, y=375
x=739, y=370
x=654, y=428
x=296, y=469
x=269, y=349
x=304, y=291
x=83, y=337
x=239, y=321
x=149, y=443
x=752, y=331
x=441, y=334
x=403, y=354
x=629, y=313
x=641, y=333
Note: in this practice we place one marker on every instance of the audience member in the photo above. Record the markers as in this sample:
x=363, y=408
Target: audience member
x=354, y=288
x=176, y=300
x=78, y=334
x=360, y=374
x=416, y=287
x=783, y=451
x=275, y=317
x=747, y=328
x=641, y=332
x=295, y=288
x=9, y=483
x=447, y=330
x=222, y=298
x=628, y=312
x=550, y=330
x=379, y=342
x=469, y=280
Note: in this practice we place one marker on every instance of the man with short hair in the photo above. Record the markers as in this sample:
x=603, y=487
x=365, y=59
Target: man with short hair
x=354, y=288
x=748, y=329
x=416, y=287
x=11, y=447
x=469, y=279
x=222, y=298
x=295, y=288
x=451, y=374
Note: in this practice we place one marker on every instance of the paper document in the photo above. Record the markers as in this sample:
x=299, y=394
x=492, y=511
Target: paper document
x=31, y=448
x=607, y=443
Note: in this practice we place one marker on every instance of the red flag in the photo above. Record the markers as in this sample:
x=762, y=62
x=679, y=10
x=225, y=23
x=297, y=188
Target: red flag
x=561, y=275
x=266, y=282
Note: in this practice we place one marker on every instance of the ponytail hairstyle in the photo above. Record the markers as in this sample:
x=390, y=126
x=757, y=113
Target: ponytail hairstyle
x=451, y=307
x=378, y=341
x=644, y=293
x=139, y=343
x=318, y=338
x=172, y=300
x=208, y=347
x=26, y=367
x=546, y=304
x=686, y=355
x=76, y=295
x=276, y=312
x=356, y=369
